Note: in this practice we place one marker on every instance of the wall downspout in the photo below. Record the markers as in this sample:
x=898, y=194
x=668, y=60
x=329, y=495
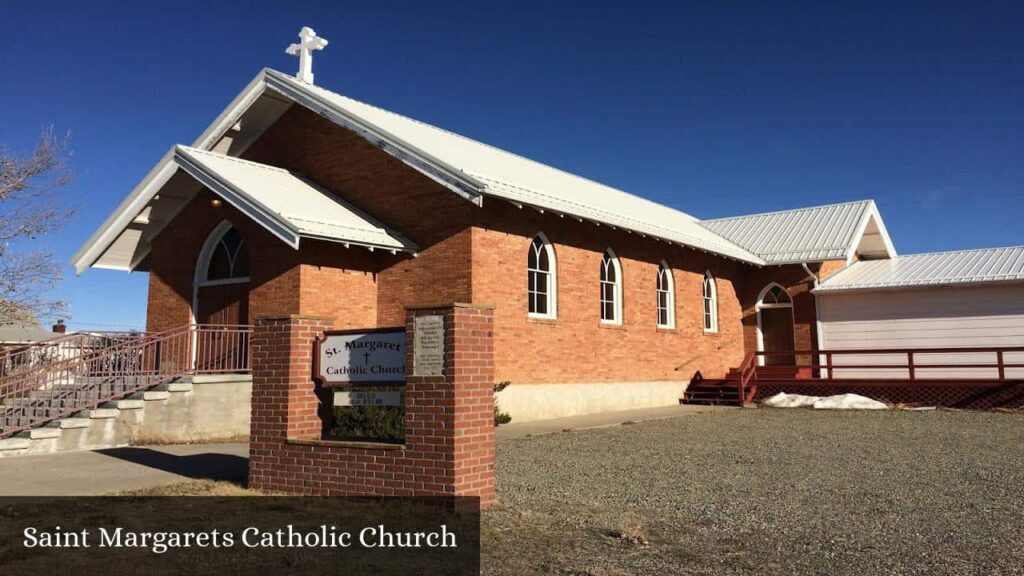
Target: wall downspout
x=809, y=273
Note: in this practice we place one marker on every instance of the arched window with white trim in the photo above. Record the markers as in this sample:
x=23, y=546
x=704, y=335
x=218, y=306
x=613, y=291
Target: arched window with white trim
x=710, y=303
x=224, y=257
x=611, y=289
x=542, y=279
x=666, y=297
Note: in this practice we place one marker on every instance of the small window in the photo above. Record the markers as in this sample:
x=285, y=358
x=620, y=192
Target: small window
x=666, y=297
x=230, y=258
x=540, y=278
x=710, y=304
x=611, y=289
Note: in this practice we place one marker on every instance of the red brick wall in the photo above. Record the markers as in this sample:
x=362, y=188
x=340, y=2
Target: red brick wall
x=339, y=283
x=798, y=284
x=576, y=347
x=423, y=210
x=449, y=422
x=172, y=264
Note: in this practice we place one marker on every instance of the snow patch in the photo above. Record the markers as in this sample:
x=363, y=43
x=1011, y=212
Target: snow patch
x=838, y=402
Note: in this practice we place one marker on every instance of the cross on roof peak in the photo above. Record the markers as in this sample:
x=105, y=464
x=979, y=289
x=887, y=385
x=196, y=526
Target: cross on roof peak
x=308, y=41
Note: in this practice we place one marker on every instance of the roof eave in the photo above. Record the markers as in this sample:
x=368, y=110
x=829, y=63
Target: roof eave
x=104, y=236
x=824, y=289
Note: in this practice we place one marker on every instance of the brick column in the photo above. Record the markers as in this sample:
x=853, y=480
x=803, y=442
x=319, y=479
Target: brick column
x=452, y=415
x=449, y=418
x=284, y=400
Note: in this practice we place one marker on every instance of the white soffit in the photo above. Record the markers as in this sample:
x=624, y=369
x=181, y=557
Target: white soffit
x=956, y=268
x=472, y=169
x=831, y=232
x=288, y=205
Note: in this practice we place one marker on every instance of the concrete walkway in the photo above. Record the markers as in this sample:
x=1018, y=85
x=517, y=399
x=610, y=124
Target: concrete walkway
x=133, y=468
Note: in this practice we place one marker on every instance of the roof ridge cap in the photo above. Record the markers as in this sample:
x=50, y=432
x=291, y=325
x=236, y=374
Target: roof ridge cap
x=192, y=150
x=769, y=213
x=961, y=251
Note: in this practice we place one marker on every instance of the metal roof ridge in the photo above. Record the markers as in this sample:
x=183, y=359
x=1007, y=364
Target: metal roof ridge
x=774, y=212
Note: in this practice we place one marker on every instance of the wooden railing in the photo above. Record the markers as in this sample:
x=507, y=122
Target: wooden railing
x=912, y=364
x=64, y=386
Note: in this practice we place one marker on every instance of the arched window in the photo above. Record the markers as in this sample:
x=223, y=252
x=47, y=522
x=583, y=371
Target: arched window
x=541, y=279
x=710, y=304
x=666, y=297
x=774, y=295
x=611, y=289
x=228, y=258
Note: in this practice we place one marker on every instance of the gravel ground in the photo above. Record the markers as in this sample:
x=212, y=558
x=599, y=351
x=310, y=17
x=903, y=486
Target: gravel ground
x=765, y=492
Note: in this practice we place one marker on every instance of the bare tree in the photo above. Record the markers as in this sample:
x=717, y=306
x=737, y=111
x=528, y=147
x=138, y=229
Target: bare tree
x=29, y=208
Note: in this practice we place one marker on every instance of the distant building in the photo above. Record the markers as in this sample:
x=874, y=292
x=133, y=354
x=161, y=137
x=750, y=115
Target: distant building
x=15, y=333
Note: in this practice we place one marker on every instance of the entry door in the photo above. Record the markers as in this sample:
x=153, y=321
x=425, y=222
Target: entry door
x=777, y=335
x=219, y=350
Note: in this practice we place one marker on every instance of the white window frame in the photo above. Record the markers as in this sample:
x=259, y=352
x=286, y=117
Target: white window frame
x=551, y=275
x=709, y=304
x=669, y=290
x=609, y=259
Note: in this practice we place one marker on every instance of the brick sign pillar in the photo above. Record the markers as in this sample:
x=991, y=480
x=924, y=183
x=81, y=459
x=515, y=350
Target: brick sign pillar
x=452, y=414
x=284, y=398
x=449, y=412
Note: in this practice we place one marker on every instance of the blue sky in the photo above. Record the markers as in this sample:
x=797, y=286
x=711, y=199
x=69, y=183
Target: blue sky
x=716, y=109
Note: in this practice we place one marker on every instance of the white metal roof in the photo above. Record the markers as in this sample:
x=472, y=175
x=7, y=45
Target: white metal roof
x=472, y=169
x=931, y=269
x=301, y=204
x=288, y=205
x=818, y=233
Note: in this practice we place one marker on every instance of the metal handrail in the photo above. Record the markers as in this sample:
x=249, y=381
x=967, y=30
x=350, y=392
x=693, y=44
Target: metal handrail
x=67, y=386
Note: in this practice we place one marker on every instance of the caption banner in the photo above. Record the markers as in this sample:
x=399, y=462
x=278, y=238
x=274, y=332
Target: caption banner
x=243, y=534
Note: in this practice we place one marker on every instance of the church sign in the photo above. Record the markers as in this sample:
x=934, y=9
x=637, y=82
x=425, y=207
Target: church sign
x=368, y=398
x=360, y=357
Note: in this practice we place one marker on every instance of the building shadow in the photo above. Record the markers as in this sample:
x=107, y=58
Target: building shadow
x=207, y=466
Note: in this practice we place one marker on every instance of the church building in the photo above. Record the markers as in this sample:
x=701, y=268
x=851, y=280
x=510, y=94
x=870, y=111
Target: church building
x=298, y=200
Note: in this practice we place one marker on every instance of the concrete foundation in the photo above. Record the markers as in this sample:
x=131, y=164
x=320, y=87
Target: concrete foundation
x=529, y=402
x=190, y=410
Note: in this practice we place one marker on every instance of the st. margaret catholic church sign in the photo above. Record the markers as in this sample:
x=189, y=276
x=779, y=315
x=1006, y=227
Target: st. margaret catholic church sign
x=361, y=357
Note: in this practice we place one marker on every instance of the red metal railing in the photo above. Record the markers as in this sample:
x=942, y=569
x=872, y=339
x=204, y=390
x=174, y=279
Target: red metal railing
x=64, y=386
x=910, y=364
x=748, y=370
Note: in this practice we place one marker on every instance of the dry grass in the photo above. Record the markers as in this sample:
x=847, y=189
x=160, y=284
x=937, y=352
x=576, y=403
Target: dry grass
x=194, y=488
x=631, y=531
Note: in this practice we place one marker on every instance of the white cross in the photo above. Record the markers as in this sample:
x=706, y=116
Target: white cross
x=309, y=41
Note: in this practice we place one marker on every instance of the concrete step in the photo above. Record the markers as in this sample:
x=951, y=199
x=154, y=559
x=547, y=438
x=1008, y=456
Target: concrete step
x=176, y=386
x=151, y=395
x=99, y=413
x=69, y=423
x=14, y=444
x=126, y=404
x=41, y=433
